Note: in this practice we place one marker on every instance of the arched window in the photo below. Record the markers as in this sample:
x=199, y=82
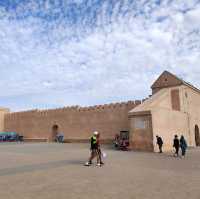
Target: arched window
x=55, y=127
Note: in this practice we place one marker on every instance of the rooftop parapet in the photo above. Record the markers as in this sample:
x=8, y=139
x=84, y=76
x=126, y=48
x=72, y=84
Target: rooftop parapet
x=76, y=108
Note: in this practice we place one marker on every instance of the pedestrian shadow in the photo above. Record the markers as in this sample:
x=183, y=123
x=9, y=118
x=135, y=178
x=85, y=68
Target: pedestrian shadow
x=168, y=155
x=38, y=167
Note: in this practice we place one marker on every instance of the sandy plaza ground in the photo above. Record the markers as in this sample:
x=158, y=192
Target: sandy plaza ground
x=56, y=171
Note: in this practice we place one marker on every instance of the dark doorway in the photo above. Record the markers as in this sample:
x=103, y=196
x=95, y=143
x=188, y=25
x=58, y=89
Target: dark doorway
x=197, y=136
x=55, y=128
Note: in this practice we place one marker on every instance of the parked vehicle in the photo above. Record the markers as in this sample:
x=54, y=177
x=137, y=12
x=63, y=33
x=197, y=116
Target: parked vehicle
x=10, y=137
x=121, y=141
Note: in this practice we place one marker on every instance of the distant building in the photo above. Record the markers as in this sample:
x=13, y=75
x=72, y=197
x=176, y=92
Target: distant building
x=173, y=108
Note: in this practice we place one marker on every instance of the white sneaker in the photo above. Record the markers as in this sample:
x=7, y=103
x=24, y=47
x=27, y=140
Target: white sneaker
x=87, y=164
x=98, y=164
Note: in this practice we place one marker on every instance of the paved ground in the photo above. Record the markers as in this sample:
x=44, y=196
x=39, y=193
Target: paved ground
x=53, y=171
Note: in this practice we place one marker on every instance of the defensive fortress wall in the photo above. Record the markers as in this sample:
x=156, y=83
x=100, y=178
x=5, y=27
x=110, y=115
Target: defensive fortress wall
x=77, y=123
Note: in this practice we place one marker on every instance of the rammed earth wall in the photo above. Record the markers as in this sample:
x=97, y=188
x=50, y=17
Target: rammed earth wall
x=77, y=123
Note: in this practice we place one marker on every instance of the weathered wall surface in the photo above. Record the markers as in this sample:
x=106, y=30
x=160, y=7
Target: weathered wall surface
x=191, y=105
x=167, y=121
x=173, y=115
x=3, y=111
x=180, y=122
x=77, y=123
x=141, y=134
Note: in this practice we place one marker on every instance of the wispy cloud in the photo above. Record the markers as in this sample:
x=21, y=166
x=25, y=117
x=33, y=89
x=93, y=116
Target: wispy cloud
x=62, y=52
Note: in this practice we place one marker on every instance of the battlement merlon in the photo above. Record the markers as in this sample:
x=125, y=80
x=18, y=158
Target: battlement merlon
x=76, y=108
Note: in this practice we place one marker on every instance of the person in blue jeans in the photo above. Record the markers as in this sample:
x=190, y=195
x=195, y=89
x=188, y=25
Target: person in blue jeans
x=183, y=146
x=59, y=138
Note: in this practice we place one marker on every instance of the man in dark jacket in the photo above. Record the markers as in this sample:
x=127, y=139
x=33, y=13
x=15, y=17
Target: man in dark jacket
x=176, y=145
x=159, y=143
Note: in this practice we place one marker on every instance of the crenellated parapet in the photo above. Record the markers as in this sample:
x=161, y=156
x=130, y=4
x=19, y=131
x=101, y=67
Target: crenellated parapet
x=111, y=106
x=70, y=109
x=14, y=115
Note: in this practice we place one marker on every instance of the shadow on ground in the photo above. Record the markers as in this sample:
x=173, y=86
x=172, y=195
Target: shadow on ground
x=41, y=166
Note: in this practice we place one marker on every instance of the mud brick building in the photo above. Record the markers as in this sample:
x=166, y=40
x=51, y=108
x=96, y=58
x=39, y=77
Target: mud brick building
x=173, y=108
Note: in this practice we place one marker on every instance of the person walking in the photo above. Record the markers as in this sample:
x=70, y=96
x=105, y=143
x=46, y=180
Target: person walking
x=99, y=151
x=94, y=150
x=183, y=145
x=159, y=143
x=176, y=145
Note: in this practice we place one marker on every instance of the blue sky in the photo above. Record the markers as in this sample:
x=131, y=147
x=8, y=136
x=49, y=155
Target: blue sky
x=56, y=53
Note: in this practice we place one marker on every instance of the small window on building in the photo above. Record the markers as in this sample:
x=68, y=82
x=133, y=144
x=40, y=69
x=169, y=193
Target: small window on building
x=175, y=99
x=186, y=95
x=140, y=123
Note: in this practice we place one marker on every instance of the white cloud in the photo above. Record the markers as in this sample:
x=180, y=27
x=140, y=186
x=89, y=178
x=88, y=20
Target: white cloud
x=84, y=59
